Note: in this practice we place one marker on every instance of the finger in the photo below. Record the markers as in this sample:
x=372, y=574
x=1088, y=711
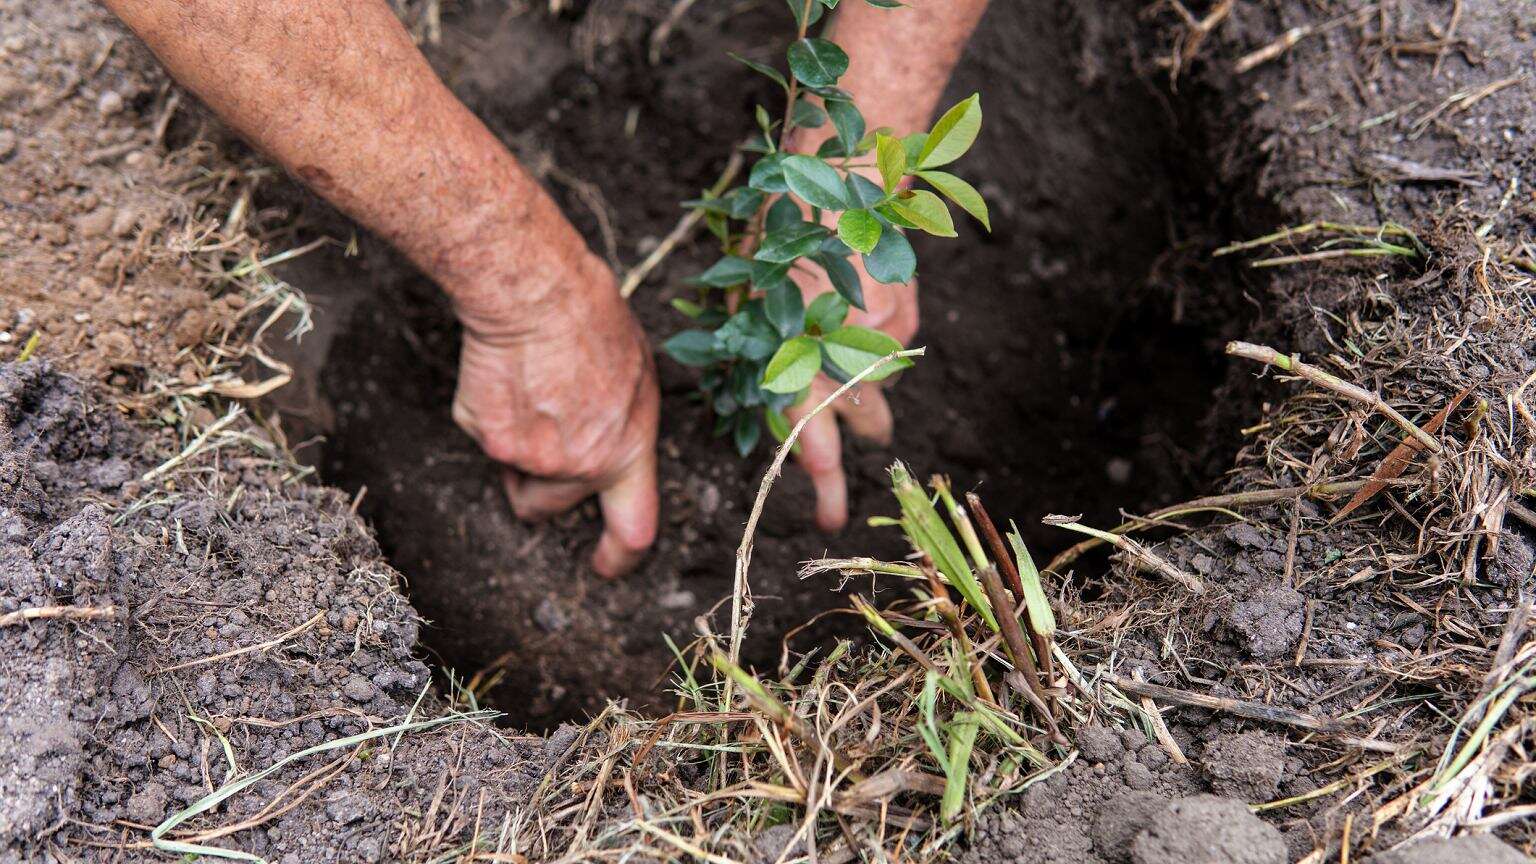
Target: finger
x=821, y=454
x=629, y=518
x=867, y=415
x=535, y=499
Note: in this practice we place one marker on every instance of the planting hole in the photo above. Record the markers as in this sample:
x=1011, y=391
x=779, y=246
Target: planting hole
x=1073, y=353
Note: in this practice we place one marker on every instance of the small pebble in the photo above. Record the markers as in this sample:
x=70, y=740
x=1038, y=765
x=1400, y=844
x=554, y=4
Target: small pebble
x=111, y=102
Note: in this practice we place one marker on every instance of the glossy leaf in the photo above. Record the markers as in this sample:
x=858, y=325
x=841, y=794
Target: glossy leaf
x=826, y=312
x=848, y=122
x=791, y=242
x=761, y=68
x=778, y=424
x=766, y=274
x=952, y=135
x=815, y=182
x=742, y=202
x=854, y=349
x=892, y=261
x=859, y=229
x=863, y=193
x=726, y=272
x=768, y=174
x=817, y=62
x=748, y=335
x=962, y=193
x=692, y=348
x=927, y=211
x=793, y=366
x=798, y=9
x=891, y=157
x=746, y=433
x=808, y=115
x=844, y=278
x=785, y=308
x=782, y=213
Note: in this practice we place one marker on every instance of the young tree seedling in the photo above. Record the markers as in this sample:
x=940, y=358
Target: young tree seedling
x=758, y=341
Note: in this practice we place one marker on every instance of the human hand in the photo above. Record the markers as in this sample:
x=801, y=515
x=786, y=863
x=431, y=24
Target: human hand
x=863, y=410
x=565, y=399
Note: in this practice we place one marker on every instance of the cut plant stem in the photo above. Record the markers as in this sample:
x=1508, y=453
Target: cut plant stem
x=1327, y=381
x=1141, y=554
x=929, y=535
x=1251, y=710
x=1254, y=498
x=951, y=615
x=1020, y=651
x=1041, y=626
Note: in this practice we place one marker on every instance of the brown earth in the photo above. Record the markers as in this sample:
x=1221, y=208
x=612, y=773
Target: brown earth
x=252, y=616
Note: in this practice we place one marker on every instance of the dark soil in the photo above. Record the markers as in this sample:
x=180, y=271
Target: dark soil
x=250, y=613
x=1070, y=363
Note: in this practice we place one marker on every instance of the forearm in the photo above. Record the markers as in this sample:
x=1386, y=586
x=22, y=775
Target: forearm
x=337, y=93
x=899, y=60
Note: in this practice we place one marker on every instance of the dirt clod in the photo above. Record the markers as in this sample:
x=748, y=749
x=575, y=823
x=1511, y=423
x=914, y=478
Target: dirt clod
x=1248, y=766
x=1207, y=829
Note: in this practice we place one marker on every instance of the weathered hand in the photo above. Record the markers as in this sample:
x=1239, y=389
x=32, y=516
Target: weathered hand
x=566, y=400
x=893, y=309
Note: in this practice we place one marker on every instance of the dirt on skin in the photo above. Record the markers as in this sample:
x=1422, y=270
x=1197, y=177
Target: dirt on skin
x=1034, y=391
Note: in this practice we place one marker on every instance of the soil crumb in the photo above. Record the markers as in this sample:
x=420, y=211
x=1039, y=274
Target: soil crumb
x=1466, y=849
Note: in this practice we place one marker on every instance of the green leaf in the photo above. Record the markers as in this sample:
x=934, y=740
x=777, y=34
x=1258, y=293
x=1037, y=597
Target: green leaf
x=817, y=62
x=692, y=348
x=953, y=134
x=848, y=122
x=726, y=272
x=768, y=174
x=815, y=182
x=766, y=274
x=892, y=261
x=743, y=202
x=863, y=193
x=962, y=193
x=927, y=211
x=808, y=115
x=913, y=144
x=826, y=312
x=764, y=123
x=885, y=4
x=892, y=159
x=890, y=214
x=748, y=335
x=797, y=9
x=854, y=349
x=687, y=307
x=778, y=424
x=762, y=68
x=782, y=213
x=793, y=366
x=844, y=279
x=785, y=308
x=787, y=244
x=746, y=434
x=859, y=229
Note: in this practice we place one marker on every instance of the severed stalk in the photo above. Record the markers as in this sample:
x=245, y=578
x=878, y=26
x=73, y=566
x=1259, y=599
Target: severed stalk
x=1293, y=364
x=1137, y=552
x=1039, y=634
x=951, y=615
x=1019, y=649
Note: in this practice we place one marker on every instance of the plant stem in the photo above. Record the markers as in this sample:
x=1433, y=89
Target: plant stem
x=1146, y=557
x=1327, y=381
x=1010, y=571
